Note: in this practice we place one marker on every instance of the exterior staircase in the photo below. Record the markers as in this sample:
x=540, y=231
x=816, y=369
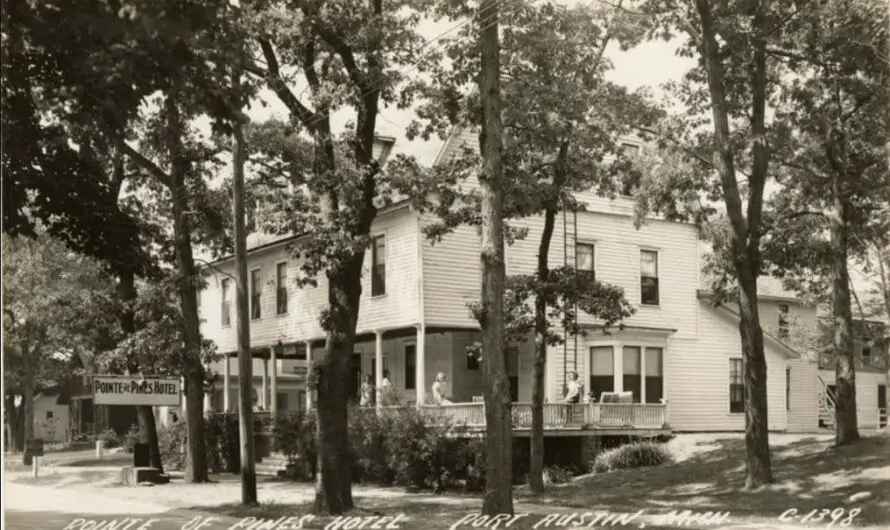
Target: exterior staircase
x=827, y=401
x=273, y=465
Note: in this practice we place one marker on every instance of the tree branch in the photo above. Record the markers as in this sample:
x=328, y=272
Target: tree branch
x=359, y=78
x=273, y=78
x=145, y=163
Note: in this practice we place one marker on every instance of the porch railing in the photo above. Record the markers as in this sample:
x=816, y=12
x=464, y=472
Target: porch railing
x=556, y=415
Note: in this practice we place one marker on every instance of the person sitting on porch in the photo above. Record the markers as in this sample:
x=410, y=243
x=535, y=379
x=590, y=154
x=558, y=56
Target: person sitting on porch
x=573, y=389
x=439, y=390
x=367, y=392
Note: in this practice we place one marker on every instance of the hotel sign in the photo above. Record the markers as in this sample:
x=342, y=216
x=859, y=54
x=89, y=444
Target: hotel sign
x=129, y=390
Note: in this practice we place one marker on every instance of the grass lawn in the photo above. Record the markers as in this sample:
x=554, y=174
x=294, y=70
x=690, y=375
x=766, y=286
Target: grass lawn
x=708, y=476
x=810, y=474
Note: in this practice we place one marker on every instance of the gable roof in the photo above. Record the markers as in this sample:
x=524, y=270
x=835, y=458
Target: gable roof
x=706, y=298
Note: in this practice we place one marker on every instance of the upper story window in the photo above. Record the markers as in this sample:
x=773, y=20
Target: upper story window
x=256, y=292
x=736, y=385
x=226, y=304
x=281, y=288
x=866, y=354
x=584, y=262
x=783, y=321
x=649, y=288
x=378, y=266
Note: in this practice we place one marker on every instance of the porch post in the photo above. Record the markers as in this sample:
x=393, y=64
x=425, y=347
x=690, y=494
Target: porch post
x=378, y=365
x=226, y=375
x=308, y=371
x=420, y=365
x=264, y=401
x=274, y=396
x=618, y=364
x=643, y=374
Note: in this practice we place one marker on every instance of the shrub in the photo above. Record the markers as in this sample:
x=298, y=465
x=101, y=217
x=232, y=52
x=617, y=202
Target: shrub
x=636, y=454
x=558, y=474
x=109, y=438
x=223, y=443
x=368, y=435
x=171, y=443
x=131, y=438
x=293, y=435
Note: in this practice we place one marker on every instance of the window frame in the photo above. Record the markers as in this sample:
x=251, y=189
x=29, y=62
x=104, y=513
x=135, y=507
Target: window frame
x=592, y=246
x=784, y=310
x=225, y=310
x=740, y=362
x=256, y=298
x=787, y=388
x=378, y=281
x=279, y=289
x=656, y=278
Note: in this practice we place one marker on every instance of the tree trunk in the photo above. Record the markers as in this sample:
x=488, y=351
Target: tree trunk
x=536, y=465
x=846, y=421
x=27, y=401
x=745, y=240
x=12, y=423
x=20, y=428
x=333, y=489
x=499, y=426
x=148, y=431
x=245, y=361
x=196, y=455
x=759, y=467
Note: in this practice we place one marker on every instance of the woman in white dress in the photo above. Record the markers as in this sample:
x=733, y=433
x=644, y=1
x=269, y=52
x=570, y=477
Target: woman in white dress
x=383, y=393
x=367, y=392
x=439, y=397
x=573, y=395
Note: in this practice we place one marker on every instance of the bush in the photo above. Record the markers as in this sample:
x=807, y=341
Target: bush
x=398, y=447
x=171, y=443
x=293, y=435
x=221, y=442
x=131, y=438
x=109, y=438
x=636, y=454
x=558, y=474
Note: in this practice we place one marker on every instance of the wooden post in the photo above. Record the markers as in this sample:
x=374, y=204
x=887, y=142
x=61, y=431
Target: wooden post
x=264, y=401
x=378, y=366
x=245, y=361
x=227, y=404
x=420, y=366
x=274, y=387
x=309, y=369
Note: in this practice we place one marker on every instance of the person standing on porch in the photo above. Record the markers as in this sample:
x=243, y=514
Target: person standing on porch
x=439, y=390
x=573, y=394
x=367, y=392
x=383, y=393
